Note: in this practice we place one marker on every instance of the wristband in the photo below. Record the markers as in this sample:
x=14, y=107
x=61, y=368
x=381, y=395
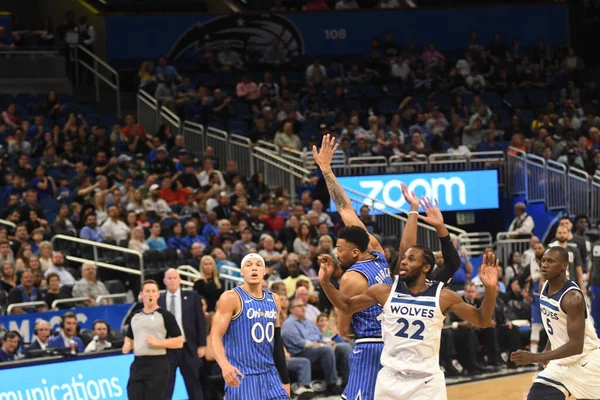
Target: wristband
x=455, y=325
x=413, y=212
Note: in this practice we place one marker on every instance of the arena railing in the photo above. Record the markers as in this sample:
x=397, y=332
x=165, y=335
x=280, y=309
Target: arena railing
x=218, y=139
x=536, y=178
x=505, y=246
x=557, y=186
x=278, y=171
x=516, y=172
x=240, y=150
x=7, y=223
x=444, y=162
x=229, y=274
x=101, y=70
x=26, y=304
x=594, y=214
x=74, y=300
x=168, y=117
x=193, y=137
x=578, y=194
x=475, y=242
x=147, y=111
x=408, y=165
x=100, y=299
x=95, y=247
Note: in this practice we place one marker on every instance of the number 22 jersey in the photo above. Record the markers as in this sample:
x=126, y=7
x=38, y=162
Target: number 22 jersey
x=248, y=341
x=411, y=325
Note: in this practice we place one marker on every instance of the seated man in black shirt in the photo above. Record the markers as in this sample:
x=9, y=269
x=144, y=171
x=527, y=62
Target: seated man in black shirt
x=25, y=293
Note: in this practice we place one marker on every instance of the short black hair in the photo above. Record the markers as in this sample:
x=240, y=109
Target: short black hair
x=428, y=256
x=580, y=216
x=355, y=235
x=564, y=217
x=562, y=253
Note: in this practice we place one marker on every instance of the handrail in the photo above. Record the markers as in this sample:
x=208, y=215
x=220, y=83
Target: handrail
x=104, y=265
x=66, y=301
x=25, y=304
x=7, y=223
x=300, y=172
x=26, y=52
x=94, y=69
x=103, y=246
x=103, y=297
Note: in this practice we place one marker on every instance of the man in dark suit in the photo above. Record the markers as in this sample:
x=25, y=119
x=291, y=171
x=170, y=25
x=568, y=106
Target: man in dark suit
x=187, y=309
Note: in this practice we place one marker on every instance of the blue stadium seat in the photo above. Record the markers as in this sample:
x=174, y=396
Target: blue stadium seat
x=238, y=127
x=537, y=97
x=350, y=105
x=442, y=101
x=240, y=110
x=49, y=204
x=393, y=90
x=25, y=98
x=515, y=99
x=86, y=109
x=527, y=116
x=22, y=112
x=503, y=116
x=108, y=121
x=491, y=99
x=206, y=80
x=6, y=99
x=370, y=91
x=386, y=106
x=216, y=125
x=467, y=99
x=65, y=97
x=352, y=92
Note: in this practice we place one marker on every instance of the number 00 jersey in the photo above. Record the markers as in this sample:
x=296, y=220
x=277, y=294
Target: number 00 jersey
x=412, y=327
x=554, y=319
x=248, y=341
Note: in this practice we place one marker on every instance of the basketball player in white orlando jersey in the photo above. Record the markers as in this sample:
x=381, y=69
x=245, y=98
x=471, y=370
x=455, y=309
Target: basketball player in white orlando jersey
x=413, y=316
x=572, y=355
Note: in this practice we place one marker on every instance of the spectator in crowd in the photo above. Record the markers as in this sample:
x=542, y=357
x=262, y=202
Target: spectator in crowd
x=273, y=258
x=100, y=340
x=10, y=344
x=25, y=293
x=8, y=276
x=155, y=241
x=67, y=337
x=311, y=312
x=465, y=270
x=137, y=241
x=523, y=224
x=62, y=225
x=89, y=286
x=303, y=339
x=575, y=270
x=229, y=59
x=245, y=245
x=58, y=267
x=156, y=205
x=209, y=285
x=91, y=230
x=287, y=139
x=114, y=228
x=53, y=291
x=41, y=332
x=292, y=263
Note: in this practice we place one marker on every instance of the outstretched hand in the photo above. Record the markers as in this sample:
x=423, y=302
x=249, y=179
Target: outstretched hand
x=433, y=215
x=326, y=268
x=488, y=271
x=410, y=197
x=325, y=155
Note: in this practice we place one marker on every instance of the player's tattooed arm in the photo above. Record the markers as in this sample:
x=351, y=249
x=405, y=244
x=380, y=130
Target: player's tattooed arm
x=341, y=200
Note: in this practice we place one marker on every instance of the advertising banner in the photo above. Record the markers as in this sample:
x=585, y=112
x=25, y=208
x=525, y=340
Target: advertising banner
x=455, y=191
x=329, y=33
x=24, y=323
x=79, y=379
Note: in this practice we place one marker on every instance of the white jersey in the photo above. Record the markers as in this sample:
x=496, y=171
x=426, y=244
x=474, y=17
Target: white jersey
x=411, y=326
x=554, y=319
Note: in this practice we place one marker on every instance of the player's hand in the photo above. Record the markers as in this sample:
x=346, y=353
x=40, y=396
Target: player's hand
x=127, y=347
x=201, y=351
x=328, y=147
x=410, y=197
x=522, y=357
x=326, y=268
x=488, y=271
x=433, y=215
x=231, y=374
x=151, y=340
x=287, y=389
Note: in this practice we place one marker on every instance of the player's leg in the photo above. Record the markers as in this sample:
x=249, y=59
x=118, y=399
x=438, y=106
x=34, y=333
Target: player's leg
x=249, y=388
x=364, y=365
x=272, y=388
x=392, y=385
x=430, y=388
x=539, y=391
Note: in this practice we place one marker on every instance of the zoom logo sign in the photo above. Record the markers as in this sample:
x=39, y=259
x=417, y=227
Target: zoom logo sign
x=455, y=191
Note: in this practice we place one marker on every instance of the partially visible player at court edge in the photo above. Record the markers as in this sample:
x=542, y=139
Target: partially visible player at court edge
x=246, y=338
x=572, y=354
x=151, y=332
x=361, y=255
x=414, y=309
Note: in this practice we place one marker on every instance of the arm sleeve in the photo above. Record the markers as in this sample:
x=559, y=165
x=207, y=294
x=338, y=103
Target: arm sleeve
x=170, y=324
x=129, y=332
x=279, y=356
x=451, y=261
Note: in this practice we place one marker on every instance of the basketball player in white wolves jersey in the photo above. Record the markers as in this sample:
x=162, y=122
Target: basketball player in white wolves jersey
x=572, y=354
x=413, y=316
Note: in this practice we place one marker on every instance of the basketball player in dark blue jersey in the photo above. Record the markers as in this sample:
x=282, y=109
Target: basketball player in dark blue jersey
x=361, y=255
x=246, y=338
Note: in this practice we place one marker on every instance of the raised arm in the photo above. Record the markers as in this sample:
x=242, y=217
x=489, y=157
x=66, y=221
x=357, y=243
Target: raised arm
x=349, y=305
x=481, y=316
x=573, y=303
x=229, y=304
x=409, y=234
x=337, y=193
